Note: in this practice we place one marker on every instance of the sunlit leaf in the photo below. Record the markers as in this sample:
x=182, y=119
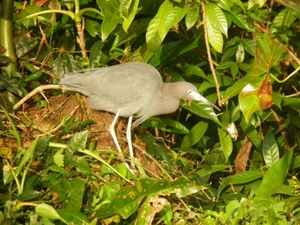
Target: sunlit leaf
x=112, y=16
x=128, y=12
x=215, y=37
x=157, y=29
x=216, y=18
x=192, y=16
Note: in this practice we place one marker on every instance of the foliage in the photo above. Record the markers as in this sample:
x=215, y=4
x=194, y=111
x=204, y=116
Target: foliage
x=239, y=166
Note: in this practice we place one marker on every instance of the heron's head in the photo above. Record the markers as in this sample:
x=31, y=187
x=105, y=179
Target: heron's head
x=190, y=92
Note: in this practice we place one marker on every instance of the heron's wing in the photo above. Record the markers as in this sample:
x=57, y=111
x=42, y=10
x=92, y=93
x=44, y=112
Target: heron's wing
x=129, y=85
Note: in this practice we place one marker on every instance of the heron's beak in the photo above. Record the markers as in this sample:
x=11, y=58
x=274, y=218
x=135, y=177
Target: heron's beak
x=200, y=98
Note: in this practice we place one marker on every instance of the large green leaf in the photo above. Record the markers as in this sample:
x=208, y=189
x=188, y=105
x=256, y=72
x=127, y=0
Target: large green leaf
x=157, y=29
x=239, y=178
x=47, y=211
x=129, y=9
x=275, y=175
x=70, y=192
x=192, y=16
x=167, y=16
x=194, y=135
x=270, y=149
x=215, y=37
x=110, y=10
x=216, y=18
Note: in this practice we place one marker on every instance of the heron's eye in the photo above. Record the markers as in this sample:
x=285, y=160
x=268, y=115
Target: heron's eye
x=189, y=92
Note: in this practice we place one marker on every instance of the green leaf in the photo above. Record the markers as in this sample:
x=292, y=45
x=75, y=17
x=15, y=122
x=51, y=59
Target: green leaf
x=283, y=19
x=129, y=198
x=35, y=75
x=249, y=45
x=77, y=142
x=25, y=45
x=26, y=157
x=240, y=54
x=157, y=29
x=251, y=133
x=194, y=69
x=275, y=176
x=29, y=195
x=73, y=217
x=226, y=143
x=216, y=18
x=59, y=158
x=142, y=54
x=210, y=169
x=170, y=51
x=225, y=4
x=240, y=20
x=245, y=177
x=291, y=102
x=70, y=192
x=202, y=110
x=169, y=125
x=270, y=149
x=167, y=16
x=192, y=16
x=110, y=10
x=128, y=12
x=269, y=52
x=45, y=210
x=95, y=53
x=215, y=37
x=240, y=178
x=10, y=85
x=93, y=27
x=4, y=60
x=195, y=134
x=137, y=28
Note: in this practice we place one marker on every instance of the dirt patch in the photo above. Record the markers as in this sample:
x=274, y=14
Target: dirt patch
x=37, y=121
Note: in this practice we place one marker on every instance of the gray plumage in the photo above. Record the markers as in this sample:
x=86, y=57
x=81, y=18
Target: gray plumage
x=135, y=88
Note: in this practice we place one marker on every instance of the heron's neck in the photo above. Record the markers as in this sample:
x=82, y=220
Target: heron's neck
x=170, y=99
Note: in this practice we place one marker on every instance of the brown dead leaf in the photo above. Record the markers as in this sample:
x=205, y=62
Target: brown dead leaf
x=265, y=94
x=242, y=157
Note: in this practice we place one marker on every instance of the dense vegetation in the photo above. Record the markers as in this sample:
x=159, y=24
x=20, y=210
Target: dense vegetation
x=199, y=166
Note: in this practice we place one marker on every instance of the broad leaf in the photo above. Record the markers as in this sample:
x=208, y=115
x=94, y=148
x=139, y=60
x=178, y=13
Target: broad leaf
x=275, y=176
x=270, y=149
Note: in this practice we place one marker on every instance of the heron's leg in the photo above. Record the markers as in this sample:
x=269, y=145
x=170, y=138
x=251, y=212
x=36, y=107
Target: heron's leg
x=113, y=132
x=129, y=141
x=114, y=136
